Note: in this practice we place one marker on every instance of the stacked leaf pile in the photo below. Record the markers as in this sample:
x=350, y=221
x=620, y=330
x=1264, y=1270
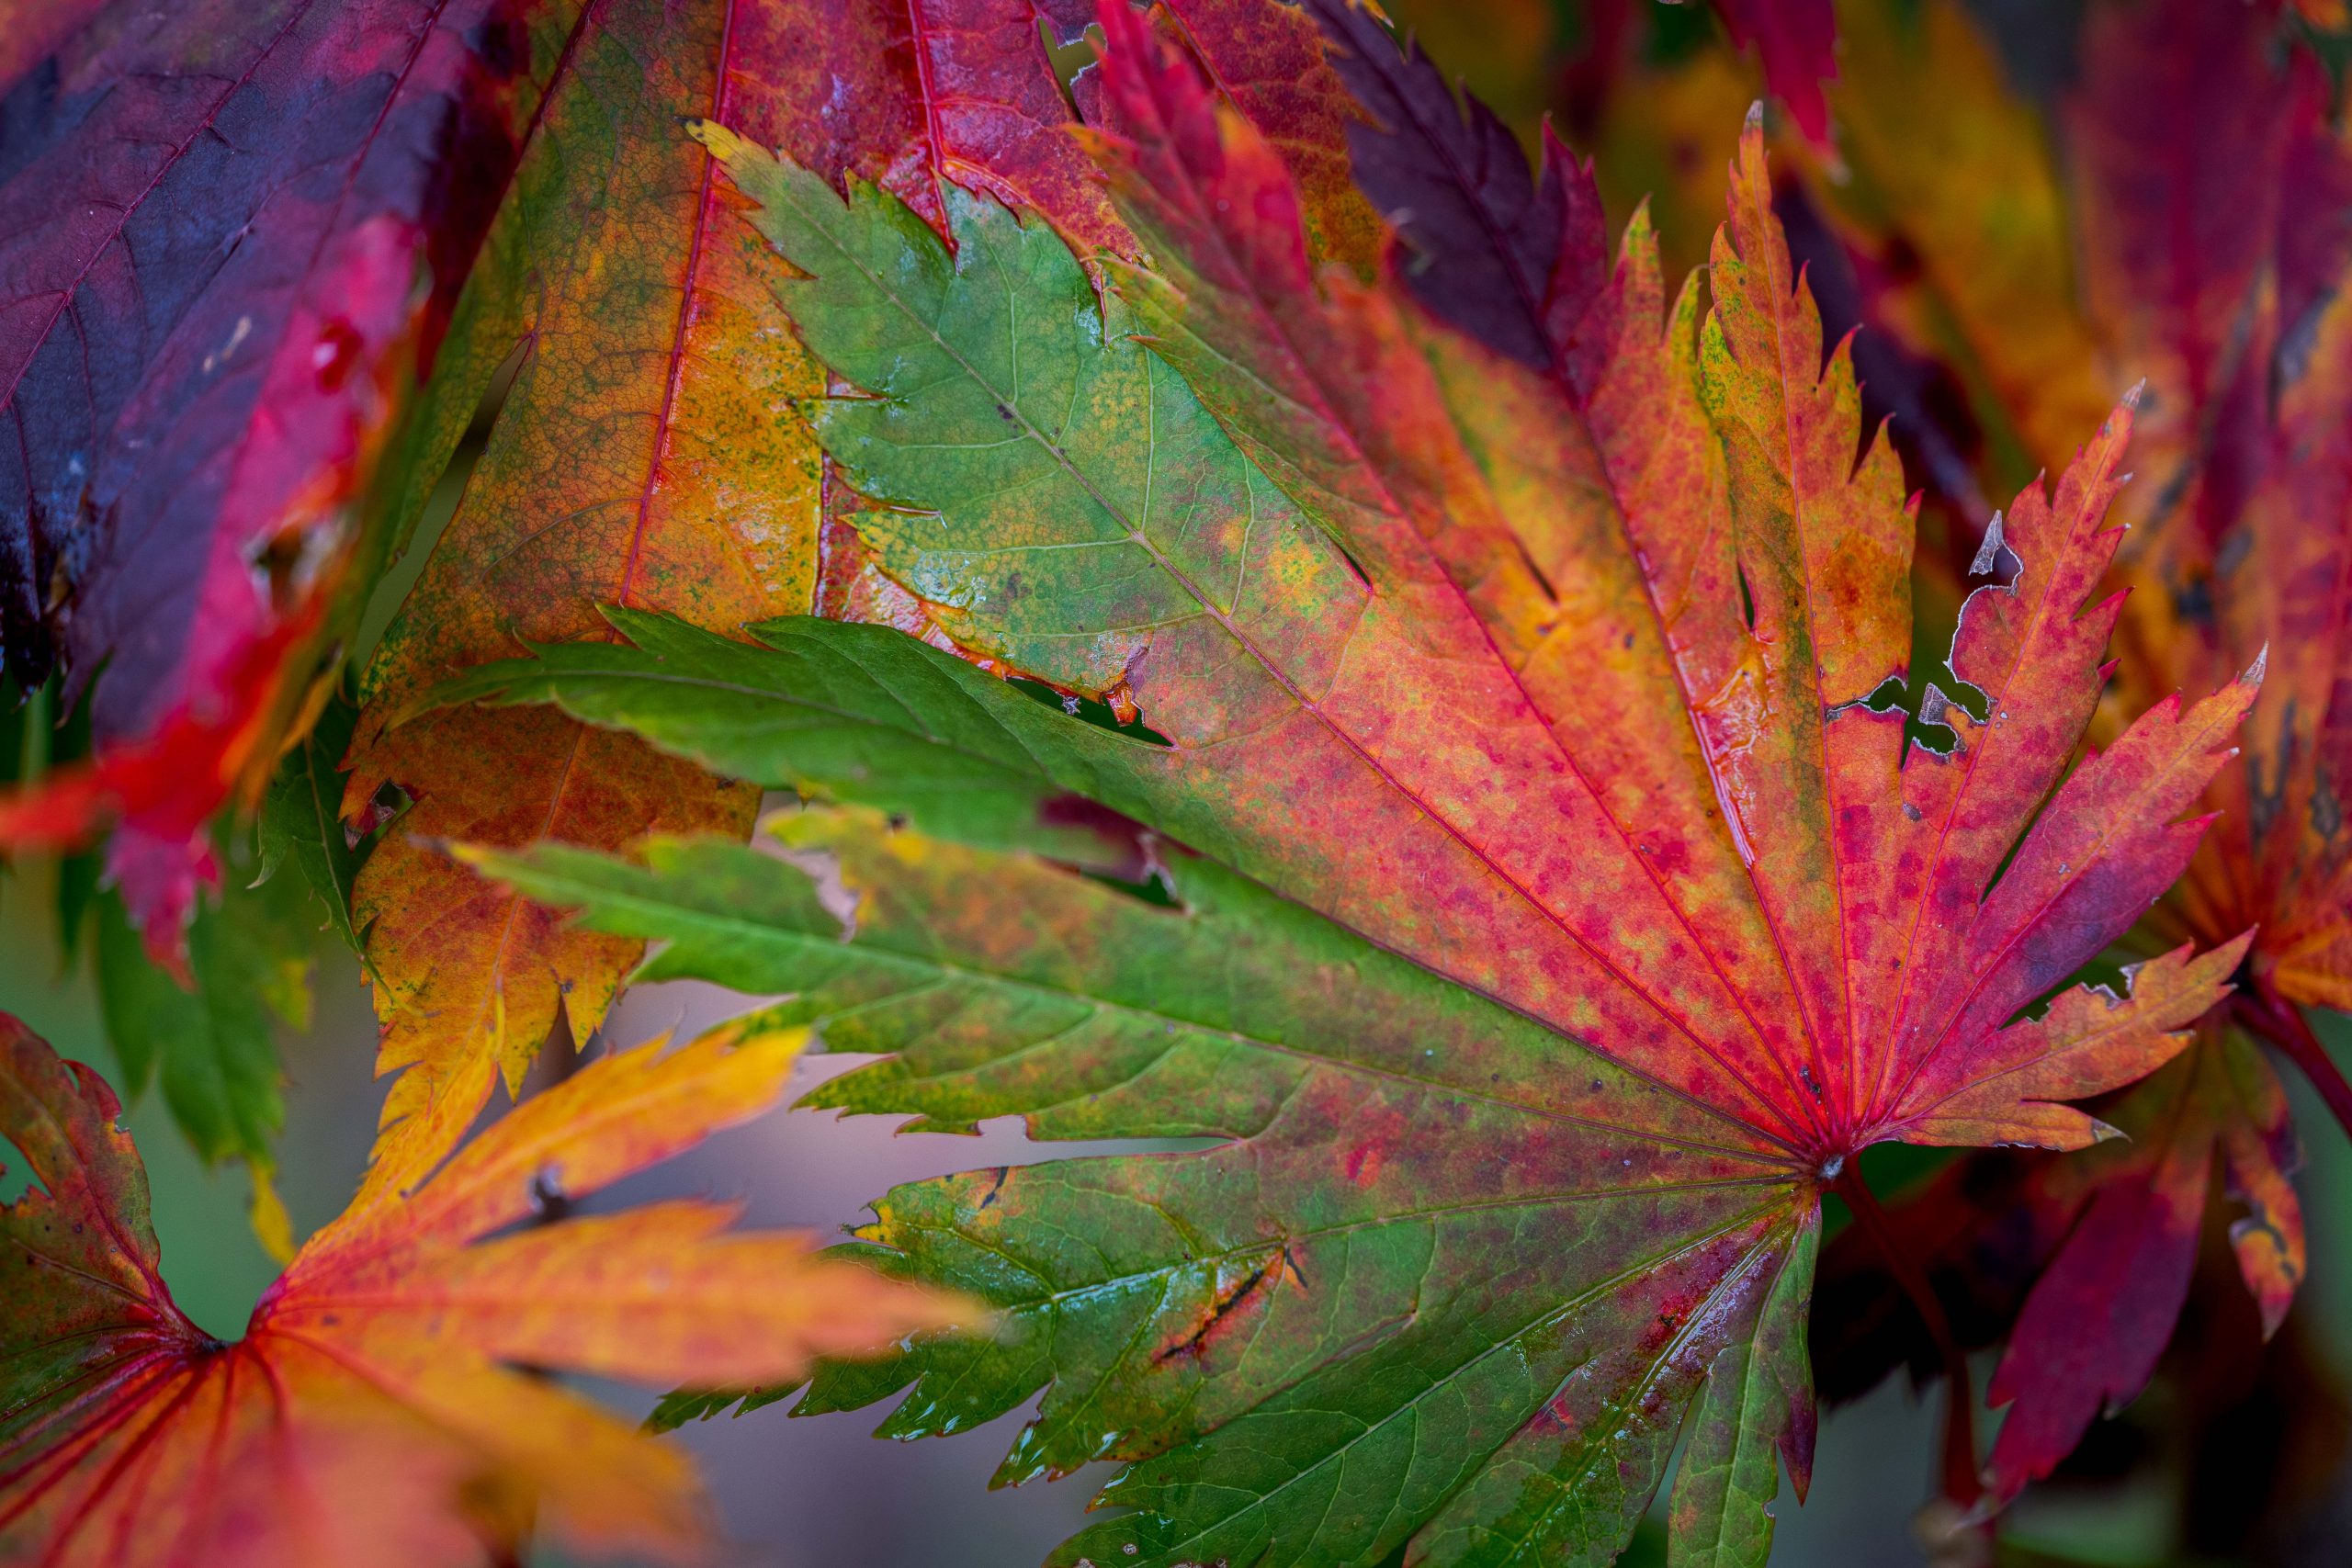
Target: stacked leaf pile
x=1259, y=619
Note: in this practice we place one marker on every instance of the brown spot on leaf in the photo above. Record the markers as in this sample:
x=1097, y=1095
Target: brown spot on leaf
x=1228, y=1309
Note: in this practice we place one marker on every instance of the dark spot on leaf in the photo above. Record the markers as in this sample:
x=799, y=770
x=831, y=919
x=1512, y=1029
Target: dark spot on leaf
x=549, y=1200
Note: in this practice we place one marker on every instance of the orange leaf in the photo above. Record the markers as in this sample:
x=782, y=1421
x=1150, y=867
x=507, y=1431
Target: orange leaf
x=646, y=457
x=371, y=1414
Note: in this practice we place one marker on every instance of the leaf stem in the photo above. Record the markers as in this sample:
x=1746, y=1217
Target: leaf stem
x=1961, y=1479
x=2284, y=1023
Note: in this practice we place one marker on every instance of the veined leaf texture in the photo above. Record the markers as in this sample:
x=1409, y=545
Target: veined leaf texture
x=372, y=1413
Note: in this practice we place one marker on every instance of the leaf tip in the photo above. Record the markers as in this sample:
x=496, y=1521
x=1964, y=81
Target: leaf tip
x=721, y=144
x=2231, y=953
x=1988, y=553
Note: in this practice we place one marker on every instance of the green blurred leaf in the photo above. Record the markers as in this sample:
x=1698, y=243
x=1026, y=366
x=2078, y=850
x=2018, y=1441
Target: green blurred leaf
x=301, y=819
x=213, y=1050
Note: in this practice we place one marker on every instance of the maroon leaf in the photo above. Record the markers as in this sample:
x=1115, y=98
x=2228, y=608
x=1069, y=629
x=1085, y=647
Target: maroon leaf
x=1798, y=40
x=1510, y=258
x=231, y=235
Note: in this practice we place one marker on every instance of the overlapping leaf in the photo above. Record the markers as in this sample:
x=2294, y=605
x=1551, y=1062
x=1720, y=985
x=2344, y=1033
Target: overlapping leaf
x=1560, y=687
x=369, y=1415
x=2083, y=1264
x=1267, y=62
x=230, y=239
x=644, y=454
x=1386, y=1128
x=2219, y=1108
x=590, y=483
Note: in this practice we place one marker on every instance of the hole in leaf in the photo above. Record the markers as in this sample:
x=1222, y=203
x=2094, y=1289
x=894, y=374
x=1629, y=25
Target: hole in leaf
x=1131, y=850
x=1069, y=58
x=384, y=807
x=1928, y=726
x=1996, y=563
x=1151, y=889
x=1886, y=696
x=2109, y=971
x=1087, y=710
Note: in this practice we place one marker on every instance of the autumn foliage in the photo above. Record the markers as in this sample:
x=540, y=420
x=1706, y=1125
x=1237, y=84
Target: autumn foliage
x=1165, y=571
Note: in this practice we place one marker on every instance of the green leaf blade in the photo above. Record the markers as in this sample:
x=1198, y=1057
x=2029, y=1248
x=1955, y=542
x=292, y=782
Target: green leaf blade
x=301, y=819
x=1429, y=1220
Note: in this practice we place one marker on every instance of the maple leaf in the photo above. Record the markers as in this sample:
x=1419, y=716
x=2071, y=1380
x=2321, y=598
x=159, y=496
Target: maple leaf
x=1488, y=241
x=2197, y=272
x=1516, y=263
x=639, y=460
x=1393, y=1124
x=2241, y=545
x=370, y=1414
x=2217, y=1106
x=1567, y=699
x=2024, y=1247
x=233, y=238
x=1959, y=222
x=1269, y=62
